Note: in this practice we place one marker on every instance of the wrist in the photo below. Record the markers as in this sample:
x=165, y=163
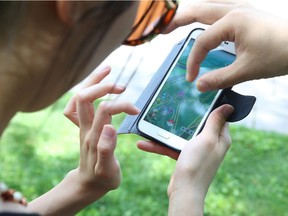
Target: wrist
x=89, y=192
x=68, y=197
x=186, y=202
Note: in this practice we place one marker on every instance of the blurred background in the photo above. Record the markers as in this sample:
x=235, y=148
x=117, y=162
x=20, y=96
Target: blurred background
x=38, y=149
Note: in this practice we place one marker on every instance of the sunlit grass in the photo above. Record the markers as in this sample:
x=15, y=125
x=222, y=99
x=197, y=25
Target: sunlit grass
x=39, y=149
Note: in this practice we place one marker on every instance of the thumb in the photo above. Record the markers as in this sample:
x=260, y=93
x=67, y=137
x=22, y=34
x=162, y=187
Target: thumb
x=220, y=78
x=106, y=147
x=217, y=128
x=217, y=119
x=108, y=168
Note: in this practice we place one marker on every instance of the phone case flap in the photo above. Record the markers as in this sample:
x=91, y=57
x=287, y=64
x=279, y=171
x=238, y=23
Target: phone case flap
x=242, y=104
x=129, y=123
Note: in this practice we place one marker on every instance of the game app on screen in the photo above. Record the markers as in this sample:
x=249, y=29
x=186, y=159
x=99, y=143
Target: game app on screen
x=178, y=110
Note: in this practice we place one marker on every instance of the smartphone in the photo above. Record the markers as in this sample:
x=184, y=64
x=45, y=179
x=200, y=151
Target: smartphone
x=177, y=111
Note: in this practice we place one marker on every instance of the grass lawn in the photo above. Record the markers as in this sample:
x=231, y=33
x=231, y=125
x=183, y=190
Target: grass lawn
x=38, y=149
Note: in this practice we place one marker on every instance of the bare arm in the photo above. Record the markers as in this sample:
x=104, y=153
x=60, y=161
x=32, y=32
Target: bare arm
x=99, y=170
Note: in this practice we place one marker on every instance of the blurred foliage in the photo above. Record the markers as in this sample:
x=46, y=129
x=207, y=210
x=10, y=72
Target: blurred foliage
x=37, y=150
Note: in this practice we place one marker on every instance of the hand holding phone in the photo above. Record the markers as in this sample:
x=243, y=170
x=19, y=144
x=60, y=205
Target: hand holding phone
x=177, y=112
x=198, y=164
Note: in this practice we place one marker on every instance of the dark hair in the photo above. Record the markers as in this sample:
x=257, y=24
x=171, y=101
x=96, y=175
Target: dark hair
x=97, y=20
x=88, y=30
x=8, y=9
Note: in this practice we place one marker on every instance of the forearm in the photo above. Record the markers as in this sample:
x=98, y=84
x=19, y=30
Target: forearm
x=67, y=198
x=185, y=203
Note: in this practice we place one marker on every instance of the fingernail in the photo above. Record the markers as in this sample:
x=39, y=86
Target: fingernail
x=228, y=110
x=202, y=86
x=108, y=131
x=121, y=86
x=104, y=67
x=137, y=110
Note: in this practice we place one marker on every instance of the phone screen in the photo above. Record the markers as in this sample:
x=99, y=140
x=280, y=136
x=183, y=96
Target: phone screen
x=179, y=107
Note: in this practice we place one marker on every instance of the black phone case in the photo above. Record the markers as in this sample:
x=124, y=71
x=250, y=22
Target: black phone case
x=242, y=104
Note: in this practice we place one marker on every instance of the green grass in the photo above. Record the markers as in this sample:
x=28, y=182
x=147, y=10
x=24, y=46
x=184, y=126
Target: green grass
x=38, y=149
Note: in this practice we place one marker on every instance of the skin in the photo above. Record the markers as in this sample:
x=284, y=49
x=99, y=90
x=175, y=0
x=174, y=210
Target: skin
x=98, y=171
x=23, y=69
x=258, y=55
x=247, y=27
x=198, y=163
x=30, y=70
x=256, y=35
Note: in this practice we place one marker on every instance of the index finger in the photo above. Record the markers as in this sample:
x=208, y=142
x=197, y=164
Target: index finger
x=205, y=12
x=211, y=38
x=105, y=111
x=96, y=77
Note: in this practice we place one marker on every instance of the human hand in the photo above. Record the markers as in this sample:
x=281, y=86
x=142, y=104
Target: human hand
x=198, y=163
x=259, y=41
x=99, y=170
x=153, y=147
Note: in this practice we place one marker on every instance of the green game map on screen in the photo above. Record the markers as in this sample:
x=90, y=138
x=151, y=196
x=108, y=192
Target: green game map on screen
x=179, y=106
